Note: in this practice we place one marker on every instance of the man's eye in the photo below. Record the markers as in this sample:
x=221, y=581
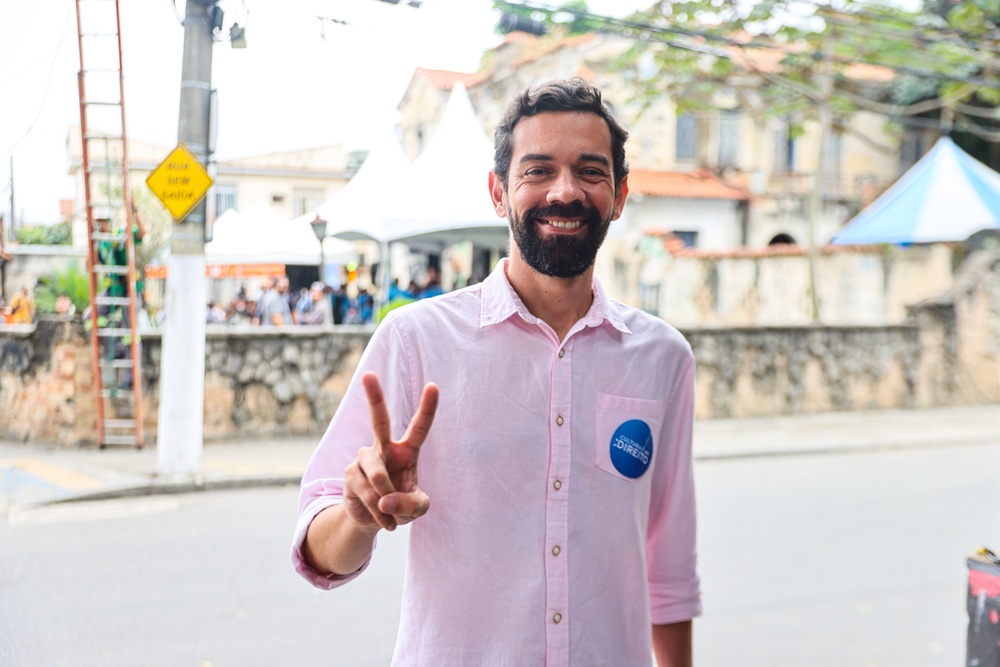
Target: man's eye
x=535, y=171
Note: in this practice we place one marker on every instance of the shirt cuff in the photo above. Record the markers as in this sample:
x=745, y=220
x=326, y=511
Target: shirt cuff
x=306, y=571
x=674, y=603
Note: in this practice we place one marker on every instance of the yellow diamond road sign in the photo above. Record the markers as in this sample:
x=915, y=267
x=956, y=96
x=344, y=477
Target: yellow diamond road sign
x=179, y=182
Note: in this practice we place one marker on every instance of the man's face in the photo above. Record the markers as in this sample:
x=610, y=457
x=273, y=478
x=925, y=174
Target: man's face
x=282, y=285
x=560, y=195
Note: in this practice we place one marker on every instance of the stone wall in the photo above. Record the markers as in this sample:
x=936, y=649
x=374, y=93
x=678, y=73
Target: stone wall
x=258, y=383
x=772, y=371
x=261, y=383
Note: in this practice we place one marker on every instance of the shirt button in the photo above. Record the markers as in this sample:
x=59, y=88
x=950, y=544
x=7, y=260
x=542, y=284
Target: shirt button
x=559, y=420
x=562, y=353
x=556, y=617
x=557, y=485
x=556, y=550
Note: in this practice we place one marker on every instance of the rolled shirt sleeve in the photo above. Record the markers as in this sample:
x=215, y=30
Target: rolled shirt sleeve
x=351, y=429
x=671, y=554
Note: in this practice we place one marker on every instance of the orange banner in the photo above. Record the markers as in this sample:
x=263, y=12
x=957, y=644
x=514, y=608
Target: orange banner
x=219, y=271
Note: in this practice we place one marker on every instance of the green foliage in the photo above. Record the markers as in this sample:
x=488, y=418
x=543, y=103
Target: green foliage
x=939, y=56
x=58, y=234
x=398, y=302
x=73, y=282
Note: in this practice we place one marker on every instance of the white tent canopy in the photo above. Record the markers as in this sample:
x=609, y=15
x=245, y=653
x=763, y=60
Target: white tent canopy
x=442, y=198
x=261, y=235
x=447, y=194
x=357, y=211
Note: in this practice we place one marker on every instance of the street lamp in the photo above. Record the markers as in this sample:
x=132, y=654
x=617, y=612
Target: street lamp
x=319, y=228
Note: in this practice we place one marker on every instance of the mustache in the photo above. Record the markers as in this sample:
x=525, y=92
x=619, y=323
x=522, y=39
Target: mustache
x=575, y=210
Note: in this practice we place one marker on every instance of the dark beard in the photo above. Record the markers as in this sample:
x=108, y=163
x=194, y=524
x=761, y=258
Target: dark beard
x=559, y=256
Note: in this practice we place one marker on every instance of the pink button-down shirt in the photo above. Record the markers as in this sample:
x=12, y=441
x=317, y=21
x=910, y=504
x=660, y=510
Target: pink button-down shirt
x=562, y=520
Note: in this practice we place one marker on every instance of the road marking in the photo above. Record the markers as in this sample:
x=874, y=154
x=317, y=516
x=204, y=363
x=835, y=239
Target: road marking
x=91, y=510
x=53, y=474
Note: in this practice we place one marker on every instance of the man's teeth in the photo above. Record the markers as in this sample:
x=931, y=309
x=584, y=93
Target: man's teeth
x=564, y=224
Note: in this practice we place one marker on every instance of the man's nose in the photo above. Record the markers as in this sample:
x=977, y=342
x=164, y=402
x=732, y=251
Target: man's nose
x=565, y=189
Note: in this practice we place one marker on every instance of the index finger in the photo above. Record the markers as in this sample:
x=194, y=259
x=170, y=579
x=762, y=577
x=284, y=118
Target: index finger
x=378, y=408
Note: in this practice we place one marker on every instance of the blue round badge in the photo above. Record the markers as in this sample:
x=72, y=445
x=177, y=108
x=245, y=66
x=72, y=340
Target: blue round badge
x=632, y=448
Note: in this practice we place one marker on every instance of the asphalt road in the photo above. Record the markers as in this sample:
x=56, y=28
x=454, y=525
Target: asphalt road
x=830, y=560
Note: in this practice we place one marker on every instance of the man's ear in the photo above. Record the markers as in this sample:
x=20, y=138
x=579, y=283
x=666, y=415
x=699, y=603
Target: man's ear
x=621, y=194
x=496, y=194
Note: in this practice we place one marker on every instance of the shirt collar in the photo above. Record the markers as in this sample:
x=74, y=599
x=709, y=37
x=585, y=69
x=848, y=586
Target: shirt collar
x=500, y=302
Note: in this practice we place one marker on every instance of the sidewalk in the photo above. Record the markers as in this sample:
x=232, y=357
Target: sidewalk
x=36, y=474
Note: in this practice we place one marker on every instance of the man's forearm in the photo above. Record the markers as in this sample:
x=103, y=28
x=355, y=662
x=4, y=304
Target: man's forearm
x=335, y=544
x=672, y=644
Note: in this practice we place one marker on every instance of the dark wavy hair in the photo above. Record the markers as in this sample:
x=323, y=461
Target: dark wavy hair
x=567, y=95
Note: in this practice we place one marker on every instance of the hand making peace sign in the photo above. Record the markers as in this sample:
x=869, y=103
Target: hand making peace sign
x=380, y=486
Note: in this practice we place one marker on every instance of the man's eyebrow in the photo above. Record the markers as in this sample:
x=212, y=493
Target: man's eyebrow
x=595, y=157
x=536, y=157
x=584, y=157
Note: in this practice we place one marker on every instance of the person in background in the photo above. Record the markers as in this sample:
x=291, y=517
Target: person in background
x=432, y=286
x=22, y=306
x=214, y=314
x=321, y=310
x=64, y=306
x=339, y=302
x=366, y=305
x=238, y=312
x=273, y=309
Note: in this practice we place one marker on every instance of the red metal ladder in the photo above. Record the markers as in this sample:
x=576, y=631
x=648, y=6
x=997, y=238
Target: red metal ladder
x=111, y=266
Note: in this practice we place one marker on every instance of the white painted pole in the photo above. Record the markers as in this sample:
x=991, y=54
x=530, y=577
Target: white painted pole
x=182, y=378
x=182, y=362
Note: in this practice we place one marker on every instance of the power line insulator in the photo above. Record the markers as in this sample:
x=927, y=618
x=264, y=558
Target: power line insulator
x=514, y=23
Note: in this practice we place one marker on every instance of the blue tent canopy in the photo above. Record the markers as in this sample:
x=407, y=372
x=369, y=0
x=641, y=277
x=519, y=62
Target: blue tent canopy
x=946, y=196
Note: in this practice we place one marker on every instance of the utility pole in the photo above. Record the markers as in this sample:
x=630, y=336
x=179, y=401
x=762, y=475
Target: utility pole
x=182, y=364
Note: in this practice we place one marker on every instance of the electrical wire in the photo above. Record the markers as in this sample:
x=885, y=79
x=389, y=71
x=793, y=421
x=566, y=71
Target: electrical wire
x=177, y=13
x=48, y=87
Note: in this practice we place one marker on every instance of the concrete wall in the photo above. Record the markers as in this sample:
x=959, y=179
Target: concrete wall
x=855, y=286
x=29, y=262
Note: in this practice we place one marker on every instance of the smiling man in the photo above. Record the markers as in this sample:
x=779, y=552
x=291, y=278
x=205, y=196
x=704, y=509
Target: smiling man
x=552, y=427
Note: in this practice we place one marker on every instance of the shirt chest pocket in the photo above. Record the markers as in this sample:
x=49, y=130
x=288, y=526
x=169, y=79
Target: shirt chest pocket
x=627, y=429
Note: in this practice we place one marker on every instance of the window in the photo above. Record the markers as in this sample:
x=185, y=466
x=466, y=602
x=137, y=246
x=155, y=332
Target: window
x=729, y=137
x=649, y=298
x=277, y=199
x=690, y=239
x=225, y=197
x=784, y=147
x=911, y=150
x=832, y=150
x=305, y=200
x=687, y=137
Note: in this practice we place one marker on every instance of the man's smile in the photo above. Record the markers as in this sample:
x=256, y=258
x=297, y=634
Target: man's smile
x=562, y=224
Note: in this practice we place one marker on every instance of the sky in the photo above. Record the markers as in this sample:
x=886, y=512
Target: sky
x=301, y=82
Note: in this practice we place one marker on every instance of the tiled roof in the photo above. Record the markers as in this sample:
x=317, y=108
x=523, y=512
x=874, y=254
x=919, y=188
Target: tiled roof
x=545, y=47
x=701, y=184
x=768, y=61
